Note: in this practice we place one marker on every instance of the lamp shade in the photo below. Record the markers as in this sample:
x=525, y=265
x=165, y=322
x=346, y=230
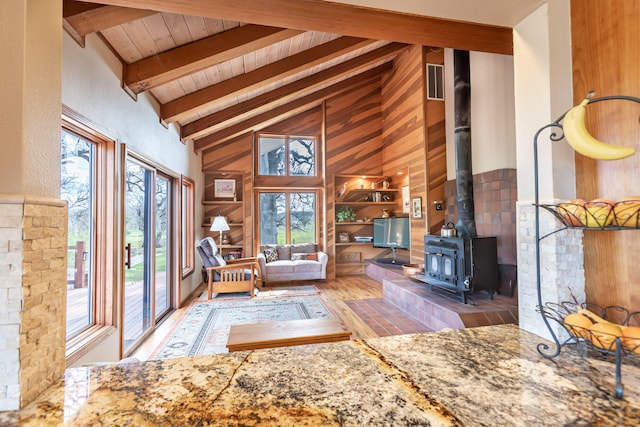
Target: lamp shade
x=219, y=224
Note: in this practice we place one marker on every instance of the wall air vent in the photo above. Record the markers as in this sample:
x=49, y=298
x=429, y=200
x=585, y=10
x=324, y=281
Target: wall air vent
x=435, y=81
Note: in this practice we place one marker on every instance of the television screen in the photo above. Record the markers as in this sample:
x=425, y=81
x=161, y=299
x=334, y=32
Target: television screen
x=391, y=233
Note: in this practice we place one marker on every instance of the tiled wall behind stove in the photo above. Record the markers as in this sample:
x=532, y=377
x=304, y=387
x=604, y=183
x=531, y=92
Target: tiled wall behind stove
x=494, y=196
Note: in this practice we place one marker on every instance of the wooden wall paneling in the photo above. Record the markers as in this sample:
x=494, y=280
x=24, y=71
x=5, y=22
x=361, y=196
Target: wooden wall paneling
x=353, y=144
x=436, y=149
x=236, y=156
x=404, y=133
x=606, y=58
x=353, y=130
x=306, y=123
x=233, y=155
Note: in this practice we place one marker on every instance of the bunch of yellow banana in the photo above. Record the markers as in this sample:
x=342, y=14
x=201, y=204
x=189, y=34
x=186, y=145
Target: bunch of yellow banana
x=581, y=140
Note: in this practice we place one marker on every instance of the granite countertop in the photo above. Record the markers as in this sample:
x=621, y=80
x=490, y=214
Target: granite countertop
x=474, y=377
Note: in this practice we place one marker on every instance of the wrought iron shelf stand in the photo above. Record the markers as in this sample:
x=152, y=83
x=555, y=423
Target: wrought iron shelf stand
x=557, y=312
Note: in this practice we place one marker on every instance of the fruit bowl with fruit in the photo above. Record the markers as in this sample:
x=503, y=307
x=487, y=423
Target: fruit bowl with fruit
x=600, y=213
x=604, y=329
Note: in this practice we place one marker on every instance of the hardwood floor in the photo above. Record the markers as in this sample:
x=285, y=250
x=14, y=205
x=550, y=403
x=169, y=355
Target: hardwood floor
x=333, y=292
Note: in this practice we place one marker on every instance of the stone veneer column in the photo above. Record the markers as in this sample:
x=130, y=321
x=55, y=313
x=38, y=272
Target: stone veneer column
x=562, y=267
x=33, y=276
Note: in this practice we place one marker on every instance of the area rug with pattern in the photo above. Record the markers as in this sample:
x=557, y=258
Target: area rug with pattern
x=204, y=327
x=275, y=291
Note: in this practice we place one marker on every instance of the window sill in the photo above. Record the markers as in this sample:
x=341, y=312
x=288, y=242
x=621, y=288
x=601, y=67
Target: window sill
x=83, y=343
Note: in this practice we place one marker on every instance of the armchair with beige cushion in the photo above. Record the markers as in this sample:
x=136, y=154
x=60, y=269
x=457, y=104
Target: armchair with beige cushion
x=238, y=275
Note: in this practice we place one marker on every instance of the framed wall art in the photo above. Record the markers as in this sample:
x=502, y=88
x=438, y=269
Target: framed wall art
x=405, y=199
x=224, y=188
x=416, y=207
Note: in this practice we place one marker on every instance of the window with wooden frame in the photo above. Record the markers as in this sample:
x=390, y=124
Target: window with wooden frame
x=285, y=155
x=88, y=165
x=288, y=216
x=187, y=223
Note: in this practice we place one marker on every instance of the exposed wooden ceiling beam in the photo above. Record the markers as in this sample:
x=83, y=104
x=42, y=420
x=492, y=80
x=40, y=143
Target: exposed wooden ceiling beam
x=201, y=54
x=241, y=111
x=184, y=106
x=319, y=15
x=282, y=112
x=87, y=18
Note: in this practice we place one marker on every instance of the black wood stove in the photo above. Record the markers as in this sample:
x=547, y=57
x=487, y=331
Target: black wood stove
x=466, y=263
x=461, y=264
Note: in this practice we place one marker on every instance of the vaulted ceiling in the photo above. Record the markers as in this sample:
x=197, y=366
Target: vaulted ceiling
x=222, y=68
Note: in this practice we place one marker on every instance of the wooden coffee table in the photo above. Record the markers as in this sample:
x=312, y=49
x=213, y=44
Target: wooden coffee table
x=286, y=333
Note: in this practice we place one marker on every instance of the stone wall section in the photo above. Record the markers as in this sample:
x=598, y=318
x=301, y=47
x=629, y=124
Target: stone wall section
x=561, y=267
x=33, y=264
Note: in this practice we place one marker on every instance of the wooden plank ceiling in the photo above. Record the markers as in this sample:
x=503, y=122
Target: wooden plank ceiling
x=219, y=70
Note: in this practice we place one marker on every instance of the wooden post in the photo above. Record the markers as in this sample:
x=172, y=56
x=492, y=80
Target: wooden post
x=79, y=275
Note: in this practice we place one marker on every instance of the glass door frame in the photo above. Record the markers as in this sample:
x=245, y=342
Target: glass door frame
x=173, y=280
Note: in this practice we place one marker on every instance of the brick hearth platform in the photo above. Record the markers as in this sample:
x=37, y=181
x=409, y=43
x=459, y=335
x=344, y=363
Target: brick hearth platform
x=437, y=308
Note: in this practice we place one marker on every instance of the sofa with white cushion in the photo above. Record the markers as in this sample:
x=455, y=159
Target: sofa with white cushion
x=280, y=263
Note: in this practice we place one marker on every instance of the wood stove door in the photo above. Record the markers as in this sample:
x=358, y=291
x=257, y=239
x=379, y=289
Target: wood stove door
x=441, y=265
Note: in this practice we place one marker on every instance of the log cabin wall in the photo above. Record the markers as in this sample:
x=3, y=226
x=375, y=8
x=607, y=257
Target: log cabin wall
x=606, y=59
x=414, y=138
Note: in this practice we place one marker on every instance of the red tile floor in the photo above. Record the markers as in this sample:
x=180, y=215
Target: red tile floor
x=384, y=318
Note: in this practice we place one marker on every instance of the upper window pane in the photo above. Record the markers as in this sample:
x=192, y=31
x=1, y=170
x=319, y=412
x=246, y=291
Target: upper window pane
x=286, y=156
x=302, y=157
x=271, y=160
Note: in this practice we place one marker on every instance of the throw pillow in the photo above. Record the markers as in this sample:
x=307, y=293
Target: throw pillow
x=308, y=256
x=284, y=251
x=270, y=254
x=303, y=248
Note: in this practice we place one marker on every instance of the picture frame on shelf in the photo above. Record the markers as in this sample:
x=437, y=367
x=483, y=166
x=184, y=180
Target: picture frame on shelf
x=343, y=237
x=405, y=199
x=416, y=207
x=224, y=188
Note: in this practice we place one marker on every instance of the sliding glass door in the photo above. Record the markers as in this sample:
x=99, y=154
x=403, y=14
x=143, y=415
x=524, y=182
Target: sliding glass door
x=147, y=278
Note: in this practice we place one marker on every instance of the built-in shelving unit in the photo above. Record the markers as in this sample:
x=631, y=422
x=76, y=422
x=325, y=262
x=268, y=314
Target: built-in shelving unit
x=223, y=196
x=368, y=197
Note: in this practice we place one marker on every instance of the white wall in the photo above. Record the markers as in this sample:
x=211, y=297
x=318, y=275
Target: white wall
x=493, y=138
x=543, y=82
x=91, y=87
x=542, y=46
x=30, y=109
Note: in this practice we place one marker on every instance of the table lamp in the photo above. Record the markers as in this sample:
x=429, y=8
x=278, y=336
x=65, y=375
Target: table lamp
x=219, y=224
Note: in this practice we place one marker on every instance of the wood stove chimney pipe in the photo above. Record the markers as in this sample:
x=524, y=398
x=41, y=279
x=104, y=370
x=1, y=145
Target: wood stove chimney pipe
x=466, y=224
